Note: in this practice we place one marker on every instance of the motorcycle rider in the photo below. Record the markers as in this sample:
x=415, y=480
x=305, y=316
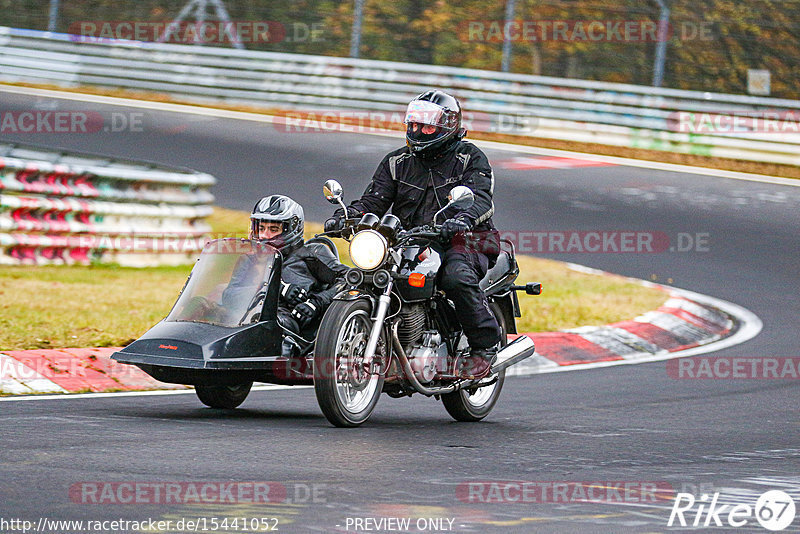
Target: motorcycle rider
x=311, y=274
x=415, y=181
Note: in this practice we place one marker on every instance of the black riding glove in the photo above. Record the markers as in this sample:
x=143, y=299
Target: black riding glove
x=334, y=224
x=454, y=226
x=305, y=312
x=292, y=294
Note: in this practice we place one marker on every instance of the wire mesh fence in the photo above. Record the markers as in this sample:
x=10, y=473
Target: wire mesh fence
x=738, y=47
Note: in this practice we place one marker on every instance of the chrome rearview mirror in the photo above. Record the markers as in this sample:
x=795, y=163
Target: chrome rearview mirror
x=333, y=192
x=460, y=197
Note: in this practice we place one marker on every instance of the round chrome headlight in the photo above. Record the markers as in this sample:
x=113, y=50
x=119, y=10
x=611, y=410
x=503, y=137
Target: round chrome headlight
x=368, y=250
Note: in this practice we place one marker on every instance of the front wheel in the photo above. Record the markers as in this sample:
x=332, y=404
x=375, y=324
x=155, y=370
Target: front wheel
x=473, y=404
x=347, y=391
x=223, y=397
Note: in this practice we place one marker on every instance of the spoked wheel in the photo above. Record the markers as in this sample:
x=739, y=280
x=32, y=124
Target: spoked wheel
x=473, y=404
x=223, y=397
x=347, y=391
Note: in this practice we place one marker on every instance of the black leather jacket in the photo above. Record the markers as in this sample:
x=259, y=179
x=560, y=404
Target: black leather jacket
x=315, y=268
x=415, y=189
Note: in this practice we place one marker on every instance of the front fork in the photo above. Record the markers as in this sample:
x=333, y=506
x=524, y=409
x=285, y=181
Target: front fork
x=377, y=325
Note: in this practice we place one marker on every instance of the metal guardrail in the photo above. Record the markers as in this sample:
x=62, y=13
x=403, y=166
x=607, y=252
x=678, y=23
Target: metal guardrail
x=64, y=208
x=537, y=106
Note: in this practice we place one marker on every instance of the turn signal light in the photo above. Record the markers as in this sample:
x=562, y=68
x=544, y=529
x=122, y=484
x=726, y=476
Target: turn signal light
x=416, y=280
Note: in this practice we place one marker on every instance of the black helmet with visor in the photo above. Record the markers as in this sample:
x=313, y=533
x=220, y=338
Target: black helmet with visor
x=441, y=113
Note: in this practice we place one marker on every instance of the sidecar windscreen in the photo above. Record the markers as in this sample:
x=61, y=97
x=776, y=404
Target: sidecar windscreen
x=228, y=284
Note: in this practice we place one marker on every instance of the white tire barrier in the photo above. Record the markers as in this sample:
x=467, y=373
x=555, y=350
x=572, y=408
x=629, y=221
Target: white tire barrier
x=94, y=210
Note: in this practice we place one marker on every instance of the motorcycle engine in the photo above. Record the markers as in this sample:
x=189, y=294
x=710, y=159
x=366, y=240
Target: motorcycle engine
x=425, y=357
x=412, y=325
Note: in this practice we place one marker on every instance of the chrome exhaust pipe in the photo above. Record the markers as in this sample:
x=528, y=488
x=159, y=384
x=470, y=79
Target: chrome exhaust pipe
x=516, y=351
x=401, y=354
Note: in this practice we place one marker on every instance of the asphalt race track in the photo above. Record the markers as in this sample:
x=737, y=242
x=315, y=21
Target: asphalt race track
x=601, y=427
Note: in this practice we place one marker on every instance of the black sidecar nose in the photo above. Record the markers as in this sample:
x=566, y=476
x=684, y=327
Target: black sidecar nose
x=193, y=345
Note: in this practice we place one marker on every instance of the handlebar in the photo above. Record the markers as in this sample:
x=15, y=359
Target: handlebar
x=423, y=232
x=345, y=232
x=420, y=232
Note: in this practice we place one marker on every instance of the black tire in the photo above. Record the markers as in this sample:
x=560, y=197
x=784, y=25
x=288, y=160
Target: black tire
x=470, y=407
x=223, y=397
x=347, y=399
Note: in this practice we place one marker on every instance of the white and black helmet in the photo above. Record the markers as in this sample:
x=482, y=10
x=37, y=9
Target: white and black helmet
x=282, y=209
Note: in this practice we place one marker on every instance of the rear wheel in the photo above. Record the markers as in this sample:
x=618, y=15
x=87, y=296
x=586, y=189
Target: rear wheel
x=347, y=391
x=223, y=397
x=473, y=404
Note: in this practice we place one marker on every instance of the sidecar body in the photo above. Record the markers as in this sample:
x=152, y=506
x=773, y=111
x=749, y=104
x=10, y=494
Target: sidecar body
x=223, y=329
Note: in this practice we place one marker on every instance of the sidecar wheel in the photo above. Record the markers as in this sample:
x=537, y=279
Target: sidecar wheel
x=473, y=405
x=346, y=393
x=223, y=397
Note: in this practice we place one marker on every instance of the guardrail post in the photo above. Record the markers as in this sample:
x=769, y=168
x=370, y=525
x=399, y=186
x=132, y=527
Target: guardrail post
x=355, y=37
x=53, y=21
x=661, y=45
x=506, y=61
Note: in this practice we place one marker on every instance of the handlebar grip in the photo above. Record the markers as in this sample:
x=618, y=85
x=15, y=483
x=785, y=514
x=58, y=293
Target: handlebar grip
x=331, y=233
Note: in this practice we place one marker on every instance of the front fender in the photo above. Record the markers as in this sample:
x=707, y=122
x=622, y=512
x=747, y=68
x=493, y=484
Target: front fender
x=355, y=294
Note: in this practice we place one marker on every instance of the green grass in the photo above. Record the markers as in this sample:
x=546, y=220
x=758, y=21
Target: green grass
x=570, y=298
x=109, y=305
x=72, y=306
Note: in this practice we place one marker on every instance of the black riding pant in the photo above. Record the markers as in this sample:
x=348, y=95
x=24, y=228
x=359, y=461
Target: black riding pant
x=461, y=274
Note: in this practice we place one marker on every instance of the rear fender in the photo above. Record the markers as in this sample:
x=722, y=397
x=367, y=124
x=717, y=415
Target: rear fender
x=509, y=308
